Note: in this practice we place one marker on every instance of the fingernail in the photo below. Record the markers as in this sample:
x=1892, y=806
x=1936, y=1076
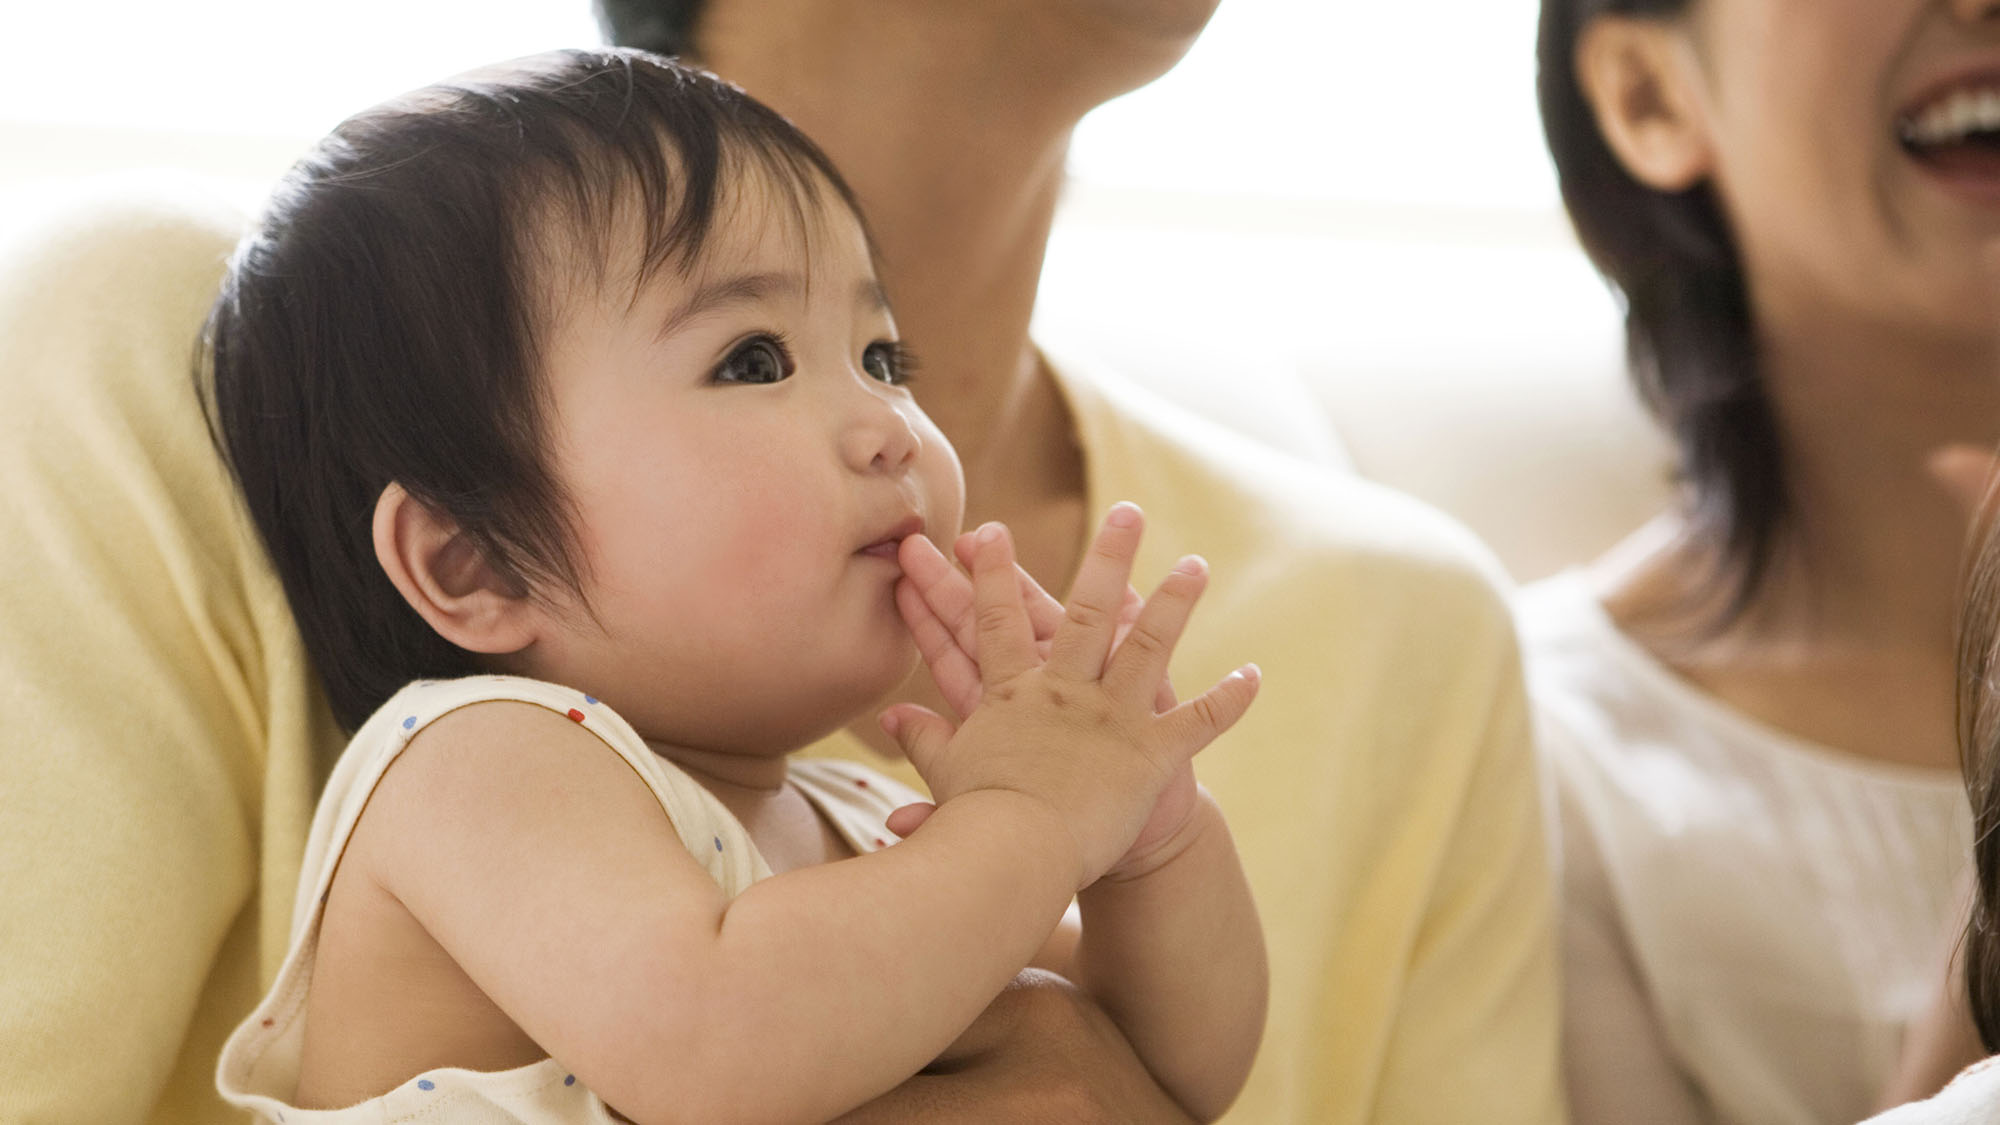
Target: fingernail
x=989, y=533
x=889, y=722
x=1191, y=564
x=1123, y=514
x=1249, y=672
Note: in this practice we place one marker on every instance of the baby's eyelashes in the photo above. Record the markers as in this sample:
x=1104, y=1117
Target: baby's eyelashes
x=763, y=358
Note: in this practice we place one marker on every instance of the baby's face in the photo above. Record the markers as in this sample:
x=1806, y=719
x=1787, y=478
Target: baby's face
x=742, y=458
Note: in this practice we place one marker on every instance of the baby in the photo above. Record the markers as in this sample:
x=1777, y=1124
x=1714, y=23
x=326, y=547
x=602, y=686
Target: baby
x=573, y=417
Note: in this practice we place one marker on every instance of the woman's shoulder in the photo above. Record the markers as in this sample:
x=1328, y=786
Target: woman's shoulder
x=1209, y=488
x=122, y=251
x=1561, y=615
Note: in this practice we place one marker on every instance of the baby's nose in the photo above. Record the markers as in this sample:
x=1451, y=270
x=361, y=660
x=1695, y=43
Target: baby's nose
x=881, y=438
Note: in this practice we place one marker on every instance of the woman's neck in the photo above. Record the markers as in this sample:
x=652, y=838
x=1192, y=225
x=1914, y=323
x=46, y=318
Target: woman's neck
x=1848, y=640
x=897, y=100
x=1877, y=540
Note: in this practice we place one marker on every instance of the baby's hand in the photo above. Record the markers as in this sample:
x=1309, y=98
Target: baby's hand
x=936, y=601
x=1077, y=728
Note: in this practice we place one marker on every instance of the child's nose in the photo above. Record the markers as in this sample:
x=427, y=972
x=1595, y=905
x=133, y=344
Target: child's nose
x=880, y=438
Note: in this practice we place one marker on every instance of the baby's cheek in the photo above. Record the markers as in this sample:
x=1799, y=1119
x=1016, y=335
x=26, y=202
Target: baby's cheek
x=777, y=537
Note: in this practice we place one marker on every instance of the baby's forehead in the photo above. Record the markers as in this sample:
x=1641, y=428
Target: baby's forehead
x=756, y=224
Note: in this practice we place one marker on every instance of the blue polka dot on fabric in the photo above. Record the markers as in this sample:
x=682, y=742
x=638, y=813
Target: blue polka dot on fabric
x=718, y=843
x=409, y=722
x=570, y=1080
x=593, y=703
x=426, y=1084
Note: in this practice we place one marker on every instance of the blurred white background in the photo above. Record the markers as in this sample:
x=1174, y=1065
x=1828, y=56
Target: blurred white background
x=1300, y=99
x=1343, y=196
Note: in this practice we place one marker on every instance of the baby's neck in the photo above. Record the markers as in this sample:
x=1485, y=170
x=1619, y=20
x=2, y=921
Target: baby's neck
x=728, y=775
x=787, y=829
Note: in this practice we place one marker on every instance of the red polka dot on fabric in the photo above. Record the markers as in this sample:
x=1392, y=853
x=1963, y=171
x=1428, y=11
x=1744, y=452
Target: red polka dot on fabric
x=270, y=1022
x=862, y=782
x=880, y=842
x=575, y=715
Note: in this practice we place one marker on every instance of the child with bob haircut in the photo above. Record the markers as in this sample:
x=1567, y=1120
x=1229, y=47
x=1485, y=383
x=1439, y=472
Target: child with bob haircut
x=572, y=415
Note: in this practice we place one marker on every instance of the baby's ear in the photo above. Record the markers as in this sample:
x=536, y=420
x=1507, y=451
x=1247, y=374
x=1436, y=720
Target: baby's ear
x=1643, y=80
x=444, y=576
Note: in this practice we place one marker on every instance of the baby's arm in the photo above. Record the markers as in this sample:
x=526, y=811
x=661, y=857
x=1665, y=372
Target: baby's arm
x=1171, y=946
x=545, y=869
x=546, y=872
x=1172, y=950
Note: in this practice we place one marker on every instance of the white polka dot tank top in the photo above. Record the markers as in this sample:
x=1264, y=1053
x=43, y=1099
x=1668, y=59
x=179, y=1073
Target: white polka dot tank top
x=258, y=1070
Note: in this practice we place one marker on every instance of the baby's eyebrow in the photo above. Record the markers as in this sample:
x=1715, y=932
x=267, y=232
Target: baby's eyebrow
x=728, y=291
x=871, y=296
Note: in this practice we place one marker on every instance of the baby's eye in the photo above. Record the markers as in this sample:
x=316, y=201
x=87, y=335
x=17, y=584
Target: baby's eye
x=885, y=360
x=760, y=359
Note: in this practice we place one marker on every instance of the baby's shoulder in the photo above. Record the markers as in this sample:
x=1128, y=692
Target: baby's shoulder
x=499, y=729
x=510, y=761
x=482, y=743
x=495, y=711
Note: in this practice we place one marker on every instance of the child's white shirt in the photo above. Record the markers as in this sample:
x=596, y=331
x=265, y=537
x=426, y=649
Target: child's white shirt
x=259, y=1067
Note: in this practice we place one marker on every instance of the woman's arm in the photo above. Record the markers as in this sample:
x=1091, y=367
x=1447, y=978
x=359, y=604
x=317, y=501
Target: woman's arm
x=156, y=762
x=1042, y=1051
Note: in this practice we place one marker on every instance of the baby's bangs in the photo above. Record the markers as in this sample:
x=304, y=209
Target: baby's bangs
x=679, y=146
x=753, y=176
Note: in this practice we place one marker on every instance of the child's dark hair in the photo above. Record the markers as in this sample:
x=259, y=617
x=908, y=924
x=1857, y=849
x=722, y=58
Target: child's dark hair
x=1689, y=336
x=384, y=323
x=1979, y=759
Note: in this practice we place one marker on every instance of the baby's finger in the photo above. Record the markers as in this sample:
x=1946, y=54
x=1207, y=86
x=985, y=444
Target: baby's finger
x=1163, y=699
x=954, y=670
x=920, y=733
x=1045, y=613
x=909, y=818
x=1140, y=662
x=1128, y=610
x=943, y=586
x=1201, y=720
x=1085, y=639
x=1006, y=641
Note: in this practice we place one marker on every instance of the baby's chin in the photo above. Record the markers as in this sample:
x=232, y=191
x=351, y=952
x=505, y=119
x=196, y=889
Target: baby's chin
x=901, y=674
x=864, y=690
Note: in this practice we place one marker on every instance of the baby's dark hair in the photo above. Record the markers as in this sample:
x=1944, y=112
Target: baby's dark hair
x=385, y=322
